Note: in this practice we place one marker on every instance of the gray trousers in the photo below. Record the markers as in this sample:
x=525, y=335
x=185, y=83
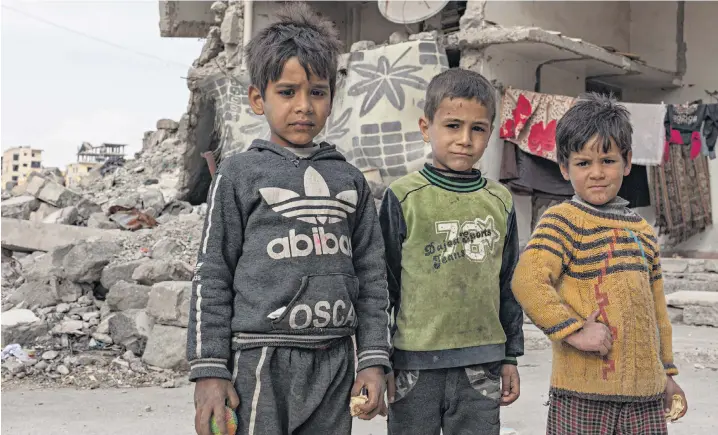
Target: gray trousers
x=290, y=391
x=459, y=401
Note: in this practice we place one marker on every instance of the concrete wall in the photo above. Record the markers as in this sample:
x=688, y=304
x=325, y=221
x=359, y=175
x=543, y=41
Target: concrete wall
x=602, y=23
x=653, y=32
x=372, y=26
x=185, y=19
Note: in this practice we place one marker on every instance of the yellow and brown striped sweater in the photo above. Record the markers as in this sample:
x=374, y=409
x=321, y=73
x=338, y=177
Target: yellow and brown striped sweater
x=580, y=260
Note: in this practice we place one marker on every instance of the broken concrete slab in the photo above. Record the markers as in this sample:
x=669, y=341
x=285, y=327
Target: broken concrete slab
x=85, y=261
x=673, y=285
x=34, y=294
x=101, y=221
x=20, y=207
x=21, y=326
x=701, y=315
x=43, y=211
x=131, y=329
x=113, y=273
x=43, y=265
x=26, y=236
x=66, y=290
x=155, y=271
x=166, y=348
x=34, y=184
x=687, y=298
x=58, y=195
x=64, y=216
x=169, y=303
x=127, y=296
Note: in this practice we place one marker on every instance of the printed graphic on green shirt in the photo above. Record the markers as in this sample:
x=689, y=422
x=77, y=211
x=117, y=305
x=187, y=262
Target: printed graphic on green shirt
x=474, y=240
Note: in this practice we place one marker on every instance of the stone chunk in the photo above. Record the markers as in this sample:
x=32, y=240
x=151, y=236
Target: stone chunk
x=111, y=274
x=169, y=303
x=156, y=271
x=19, y=207
x=166, y=348
x=84, y=262
x=126, y=296
x=688, y=298
x=21, y=326
x=101, y=221
x=64, y=216
x=131, y=329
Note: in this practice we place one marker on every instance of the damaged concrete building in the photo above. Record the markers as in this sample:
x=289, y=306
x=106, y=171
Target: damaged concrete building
x=642, y=52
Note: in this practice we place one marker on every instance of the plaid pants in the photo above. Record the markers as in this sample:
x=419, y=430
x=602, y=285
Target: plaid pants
x=569, y=415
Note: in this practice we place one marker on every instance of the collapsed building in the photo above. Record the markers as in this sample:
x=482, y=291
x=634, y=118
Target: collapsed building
x=141, y=219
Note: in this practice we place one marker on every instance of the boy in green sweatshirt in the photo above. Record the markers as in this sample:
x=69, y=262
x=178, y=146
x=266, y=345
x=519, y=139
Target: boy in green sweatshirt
x=451, y=248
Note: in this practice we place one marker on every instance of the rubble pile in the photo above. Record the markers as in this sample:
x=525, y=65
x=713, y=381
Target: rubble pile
x=691, y=288
x=85, y=301
x=97, y=281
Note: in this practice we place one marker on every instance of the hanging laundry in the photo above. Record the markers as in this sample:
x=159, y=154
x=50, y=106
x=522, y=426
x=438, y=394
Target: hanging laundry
x=694, y=124
x=529, y=120
x=649, y=133
x=710, y=131
x=682, y=195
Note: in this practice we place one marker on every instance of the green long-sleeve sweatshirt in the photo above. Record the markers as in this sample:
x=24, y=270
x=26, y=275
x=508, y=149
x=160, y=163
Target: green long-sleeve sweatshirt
x=451, y=248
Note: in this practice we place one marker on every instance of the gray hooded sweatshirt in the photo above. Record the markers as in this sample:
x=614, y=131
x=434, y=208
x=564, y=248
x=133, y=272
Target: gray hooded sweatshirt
x=291, y=255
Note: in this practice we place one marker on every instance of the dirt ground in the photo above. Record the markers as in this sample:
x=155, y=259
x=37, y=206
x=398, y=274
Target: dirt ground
x=169, y=411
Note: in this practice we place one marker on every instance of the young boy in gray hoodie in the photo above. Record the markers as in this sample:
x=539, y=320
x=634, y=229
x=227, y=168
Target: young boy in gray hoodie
x=291, y=262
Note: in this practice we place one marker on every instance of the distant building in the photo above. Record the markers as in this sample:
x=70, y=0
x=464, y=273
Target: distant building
x=90, y=157
x=99, y=154
x=18, y=163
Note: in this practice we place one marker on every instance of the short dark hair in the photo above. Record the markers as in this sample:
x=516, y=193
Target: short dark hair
x=459, y=83
x=593, y=115
x=298, y=32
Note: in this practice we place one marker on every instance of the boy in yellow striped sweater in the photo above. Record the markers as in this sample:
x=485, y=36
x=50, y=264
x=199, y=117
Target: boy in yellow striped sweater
x=590, y=278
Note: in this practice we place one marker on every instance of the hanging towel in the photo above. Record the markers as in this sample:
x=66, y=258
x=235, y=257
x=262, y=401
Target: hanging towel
x=649, y=134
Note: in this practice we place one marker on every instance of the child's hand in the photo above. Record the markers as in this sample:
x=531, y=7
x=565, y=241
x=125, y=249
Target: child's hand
x=210, y=397
x=390, y=387
x=593, y=337
x=372, y=379
x=510, y=384
x=673, y=388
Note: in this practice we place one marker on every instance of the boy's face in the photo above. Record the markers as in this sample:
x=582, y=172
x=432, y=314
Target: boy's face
x=458, y=134
x=597, y=176
x=296, y=106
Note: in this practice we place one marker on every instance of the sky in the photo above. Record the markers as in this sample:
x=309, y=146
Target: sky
x=59, y=88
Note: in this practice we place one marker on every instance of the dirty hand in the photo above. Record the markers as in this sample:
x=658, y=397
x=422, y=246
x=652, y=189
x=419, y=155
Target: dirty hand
x=372, y=379
x=510, y=384
x=390, y=387
x=593, y=337
x=210, y=397
x=672, y=388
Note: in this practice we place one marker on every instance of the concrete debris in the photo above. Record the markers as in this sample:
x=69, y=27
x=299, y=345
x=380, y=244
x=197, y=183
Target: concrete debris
x=166, y=348
x=85, y=261
x=43, y=211
x=20, y=207
x=169, y=303
x=26, y=236
x=21, y=326
x=130, y=329
x=113, y=273
x=127, y=296
x=65, y=216
x=698, y=307
x=101, y=221
x=155, y=271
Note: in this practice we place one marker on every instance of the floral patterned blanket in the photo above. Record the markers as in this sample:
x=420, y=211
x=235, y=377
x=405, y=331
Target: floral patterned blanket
x=377, y=105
